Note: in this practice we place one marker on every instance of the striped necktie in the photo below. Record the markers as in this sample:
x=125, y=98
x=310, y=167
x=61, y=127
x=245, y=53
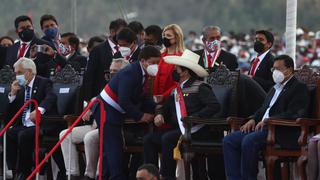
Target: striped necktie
x=27, y=98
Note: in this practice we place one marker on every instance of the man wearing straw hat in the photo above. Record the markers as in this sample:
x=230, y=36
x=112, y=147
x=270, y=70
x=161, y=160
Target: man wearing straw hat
x=191, y=97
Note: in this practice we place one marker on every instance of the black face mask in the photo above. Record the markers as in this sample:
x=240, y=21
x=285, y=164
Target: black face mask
x=175, y=76
x=258, y=47
x=26, y=35
x=149, y=43
x=166, y=42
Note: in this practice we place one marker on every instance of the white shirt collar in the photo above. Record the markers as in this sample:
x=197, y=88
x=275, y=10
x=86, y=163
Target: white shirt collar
x=31, y=82
x=112, y=45
x=181, y=84
x=261, y=57
x=27, y=43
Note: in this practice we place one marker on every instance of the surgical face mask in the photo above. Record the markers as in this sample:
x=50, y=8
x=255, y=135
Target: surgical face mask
x=278, y=76
x=51, y=32
x=152, y=70
x=213, y=45
x=125, y=51
x=21, y=80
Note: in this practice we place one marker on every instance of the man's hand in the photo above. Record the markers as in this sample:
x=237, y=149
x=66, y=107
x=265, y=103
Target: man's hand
x=158, y=120
x=87, y=115
x=33, y=116
x=158, y=99
x=147, y=117
x=33, y=51
x=259, y=126
x=48, y=50
x=249, y=126
x=15, y=87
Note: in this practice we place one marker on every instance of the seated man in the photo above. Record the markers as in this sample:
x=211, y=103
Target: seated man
x=20, y=137
x=288, y=99
x=89, y=135
x=191, y=97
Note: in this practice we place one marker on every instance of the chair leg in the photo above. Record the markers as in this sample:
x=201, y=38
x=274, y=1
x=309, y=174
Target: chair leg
x=187, y=162
x=270, y=160
x=285, y=171
x=301, y=163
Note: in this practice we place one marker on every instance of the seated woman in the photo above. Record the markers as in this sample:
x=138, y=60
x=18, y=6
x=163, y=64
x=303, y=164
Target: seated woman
x=190, y=97
x=314, y=158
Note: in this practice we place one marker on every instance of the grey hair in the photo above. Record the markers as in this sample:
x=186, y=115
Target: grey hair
x=206, y=28
x=123, y=62
x=26, y=64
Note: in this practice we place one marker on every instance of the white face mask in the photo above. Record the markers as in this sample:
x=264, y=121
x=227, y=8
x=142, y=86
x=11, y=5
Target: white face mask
x=21, y=79
x=125, y=51
x=152, y=70
x=277, y=76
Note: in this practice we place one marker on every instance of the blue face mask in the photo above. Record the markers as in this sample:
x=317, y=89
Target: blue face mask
x=51, y=32
x=21, y=79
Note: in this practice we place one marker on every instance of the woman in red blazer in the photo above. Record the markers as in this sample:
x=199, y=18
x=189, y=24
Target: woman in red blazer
x=174, y=45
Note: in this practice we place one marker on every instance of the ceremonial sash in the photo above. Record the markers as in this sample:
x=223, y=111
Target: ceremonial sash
x=181, y=110
x=111, y=98
x=208, y=63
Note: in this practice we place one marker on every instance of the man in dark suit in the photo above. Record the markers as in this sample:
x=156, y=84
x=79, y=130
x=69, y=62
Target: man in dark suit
x=128, y=45
x=213, y=55
x=100, y=59
x=260, y=69
x=20, y=137
x=288, y=99
x=26, y=47
x=125, y=96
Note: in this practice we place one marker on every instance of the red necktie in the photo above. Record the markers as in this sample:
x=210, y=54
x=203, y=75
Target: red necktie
x=254, y=66
x=209, y=57
x=22, y=50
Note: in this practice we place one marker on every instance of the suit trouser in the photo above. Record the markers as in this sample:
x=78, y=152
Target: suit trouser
x=91, y=145
x=78, y=135
x=241, y=154
x=20, y=148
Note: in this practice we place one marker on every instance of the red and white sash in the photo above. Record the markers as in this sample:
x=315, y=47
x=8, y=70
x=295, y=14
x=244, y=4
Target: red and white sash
x=209, y=63
x=182, y=111
x=111, y=98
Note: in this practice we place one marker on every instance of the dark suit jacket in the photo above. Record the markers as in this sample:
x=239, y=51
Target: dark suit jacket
x=3, y=51
x=293, y=102
x=43, y=62
x=127, y=85
x=263, y=74
x=100, y=60
x=134, y=56
x=41, y=92
x=200, y=104
x=228, y=59
x=77, y=61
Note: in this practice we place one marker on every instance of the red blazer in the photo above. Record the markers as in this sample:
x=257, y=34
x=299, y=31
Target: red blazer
x=163, y=82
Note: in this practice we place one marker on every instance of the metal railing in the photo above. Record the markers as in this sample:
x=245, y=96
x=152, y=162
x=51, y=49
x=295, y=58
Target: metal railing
x=4, y=130
x=102, y=121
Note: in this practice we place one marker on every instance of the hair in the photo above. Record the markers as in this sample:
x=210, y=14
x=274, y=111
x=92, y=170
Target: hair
x=136, y=27
x=21, y=19
x=177, y=31
x=267, y=34
x=192, y=74
x=47, y=17
x=74, y=41
x=152, y=169
x=117, y=24
x=149, y=52
x=288, y=61
x=156, y=31
x=127, y=35
x=26, y=64
x=207, y=28
x=68, y=34
x=94, y=39
x=123, y=62
x=6, y=37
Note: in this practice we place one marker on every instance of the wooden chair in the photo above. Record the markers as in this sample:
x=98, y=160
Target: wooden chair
x=225, y=87
x=273, y=150
x=67, y=87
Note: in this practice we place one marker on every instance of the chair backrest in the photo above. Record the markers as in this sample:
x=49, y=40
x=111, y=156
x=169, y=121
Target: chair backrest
x=312, y=79
x=225, y=86
x=7, y=76
x=67, y=87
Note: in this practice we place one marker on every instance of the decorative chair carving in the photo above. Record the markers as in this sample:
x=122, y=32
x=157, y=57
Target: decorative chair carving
x=7, y=76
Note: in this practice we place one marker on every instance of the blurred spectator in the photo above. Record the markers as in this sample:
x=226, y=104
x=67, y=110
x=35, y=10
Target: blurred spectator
x=93, y=42
x=148, y=172
x=138, y=28
x=153, y=36
x=128, y=44
x=6, y=41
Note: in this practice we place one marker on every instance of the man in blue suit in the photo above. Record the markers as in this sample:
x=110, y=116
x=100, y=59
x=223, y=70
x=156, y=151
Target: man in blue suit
x=125, y=97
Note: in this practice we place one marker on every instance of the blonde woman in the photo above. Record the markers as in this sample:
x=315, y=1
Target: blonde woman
x=174, y=46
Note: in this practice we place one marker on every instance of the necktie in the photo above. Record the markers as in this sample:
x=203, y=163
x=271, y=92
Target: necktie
x=22, y=50
x=254, y=66
x=209, y=57
x=27, y=98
